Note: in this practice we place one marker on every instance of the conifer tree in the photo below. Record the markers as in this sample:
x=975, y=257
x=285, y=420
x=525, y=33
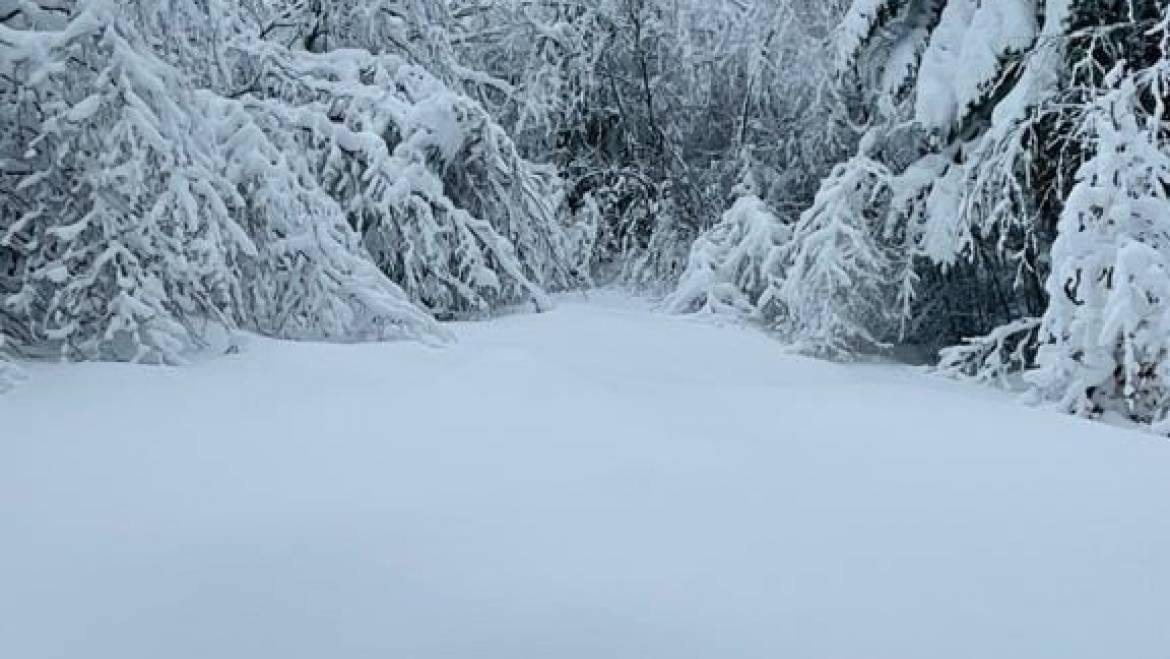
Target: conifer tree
x=1107, y=329
x=736, y=266
x=837, y=290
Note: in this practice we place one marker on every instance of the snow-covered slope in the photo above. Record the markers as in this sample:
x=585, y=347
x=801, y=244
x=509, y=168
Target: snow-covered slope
x=595, y=482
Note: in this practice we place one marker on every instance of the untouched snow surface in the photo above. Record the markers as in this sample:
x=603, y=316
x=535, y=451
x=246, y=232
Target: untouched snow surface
x=598, y=482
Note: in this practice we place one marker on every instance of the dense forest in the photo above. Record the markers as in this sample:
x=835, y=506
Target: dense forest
x=979, y=185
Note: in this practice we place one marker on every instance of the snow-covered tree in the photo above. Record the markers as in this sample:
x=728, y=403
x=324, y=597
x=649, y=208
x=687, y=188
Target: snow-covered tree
x=123, y=239
x=736, y=266
x=275, y=165
x=148, y=212
x=950, y=88
x=654, y=147
x=1106, y=333
x=311, y=278
x=443, y=200
x=1027, y=186
x=837, y=289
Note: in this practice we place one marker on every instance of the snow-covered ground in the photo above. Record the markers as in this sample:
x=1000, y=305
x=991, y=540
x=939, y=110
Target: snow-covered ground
x=598, y=482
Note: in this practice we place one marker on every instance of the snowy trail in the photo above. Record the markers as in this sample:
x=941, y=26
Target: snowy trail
x=598, y=482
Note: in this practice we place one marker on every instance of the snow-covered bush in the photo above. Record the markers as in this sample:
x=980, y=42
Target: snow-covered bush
x=736, y=266
x=838, y=291
x=997, y=358
x=311, y=278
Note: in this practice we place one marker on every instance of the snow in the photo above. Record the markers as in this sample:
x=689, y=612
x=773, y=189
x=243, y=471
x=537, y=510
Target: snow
x=965, y=55
x=596, y=481
x=948, y=234
x=735, y=265
x=856, y=27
